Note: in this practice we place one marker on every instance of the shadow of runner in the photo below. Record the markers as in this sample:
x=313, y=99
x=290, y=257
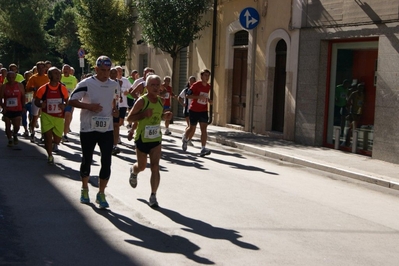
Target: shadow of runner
x=153, y=239
x=204, y=229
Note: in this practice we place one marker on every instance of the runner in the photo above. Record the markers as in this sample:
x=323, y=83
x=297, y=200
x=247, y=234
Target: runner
x=34, y=83
x=52, y=99
x=27, y=113
x=167, y=95
x=130, y=99
x=136, y=90
x=148, y=112
x=116, y=120
x=199, y=93
x=70, y=82
x=123, y=104
x=14, y=68
x=185, y=102
x=12, y=101
x=95, y=96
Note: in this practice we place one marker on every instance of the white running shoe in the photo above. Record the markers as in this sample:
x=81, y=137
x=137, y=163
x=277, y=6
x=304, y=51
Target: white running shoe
x=133, y=178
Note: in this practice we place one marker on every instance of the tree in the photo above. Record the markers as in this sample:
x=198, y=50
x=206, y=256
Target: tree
x=22, y=24
x=103, y=28
x=172, y=25
x=65, y=29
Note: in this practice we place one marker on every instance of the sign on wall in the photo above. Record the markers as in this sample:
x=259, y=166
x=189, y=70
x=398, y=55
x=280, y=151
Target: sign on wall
x=249, y=18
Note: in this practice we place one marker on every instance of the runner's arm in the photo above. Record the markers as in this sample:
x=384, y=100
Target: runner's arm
x=136, y=113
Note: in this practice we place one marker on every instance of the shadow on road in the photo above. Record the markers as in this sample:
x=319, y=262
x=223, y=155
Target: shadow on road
x=153, y=239
x=204, y=229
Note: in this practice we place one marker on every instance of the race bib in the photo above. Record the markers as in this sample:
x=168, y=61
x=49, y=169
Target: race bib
x=12, y=102
x=203, y=101
x=52, y=106
x=167, y=95
x=152, y=132
x=100, y=123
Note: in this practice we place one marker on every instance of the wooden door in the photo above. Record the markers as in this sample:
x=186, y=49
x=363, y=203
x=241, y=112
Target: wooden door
x=239, y=89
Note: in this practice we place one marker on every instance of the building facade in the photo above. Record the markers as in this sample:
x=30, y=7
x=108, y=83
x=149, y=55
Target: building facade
x=282, y=78
x=357, y=41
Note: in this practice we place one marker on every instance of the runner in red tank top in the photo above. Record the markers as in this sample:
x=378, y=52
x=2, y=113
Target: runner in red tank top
x=52, y=98
x=12, y=101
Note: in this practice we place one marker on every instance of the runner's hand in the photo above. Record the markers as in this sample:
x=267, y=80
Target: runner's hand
x=95, y=107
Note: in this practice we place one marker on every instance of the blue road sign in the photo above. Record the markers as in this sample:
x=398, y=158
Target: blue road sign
x=81, y=53
x=249, y=18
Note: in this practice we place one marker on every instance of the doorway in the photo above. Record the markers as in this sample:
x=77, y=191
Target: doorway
x=279, y=87
x=239, y=90
x=356, y=64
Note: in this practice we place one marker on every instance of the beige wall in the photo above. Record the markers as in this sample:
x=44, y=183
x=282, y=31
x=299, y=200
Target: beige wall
x=261, y=61
x=274, y=25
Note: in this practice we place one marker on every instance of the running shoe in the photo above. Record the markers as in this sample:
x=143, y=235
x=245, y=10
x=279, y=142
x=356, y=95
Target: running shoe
x=10, y=143
x=190, y=143
x=167, y=132
x=32, y=138
x=153, y=201
x=84, y=196
x=50, y=159
x=205, y=151
x=65, y=139
x=15, y=139
x=115, y=150
x=55, y=147
x=101, y=200
x=184, y=143
x=26, y=134
x=133, y=178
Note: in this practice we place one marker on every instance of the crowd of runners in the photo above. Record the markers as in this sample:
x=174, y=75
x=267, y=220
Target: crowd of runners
x=108, y=101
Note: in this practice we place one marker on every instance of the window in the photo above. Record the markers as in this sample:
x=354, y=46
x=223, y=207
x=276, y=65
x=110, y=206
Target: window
x=241, y=38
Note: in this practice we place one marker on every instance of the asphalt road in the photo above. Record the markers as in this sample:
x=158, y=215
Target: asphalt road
x=229, y=208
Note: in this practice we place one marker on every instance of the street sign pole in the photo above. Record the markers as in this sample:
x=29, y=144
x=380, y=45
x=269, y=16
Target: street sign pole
x=81, y=54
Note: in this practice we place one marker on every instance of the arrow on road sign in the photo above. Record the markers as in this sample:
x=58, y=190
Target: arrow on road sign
x=249, y=19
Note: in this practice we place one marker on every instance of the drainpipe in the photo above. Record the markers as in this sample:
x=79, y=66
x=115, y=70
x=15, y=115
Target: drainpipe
x=215, y=7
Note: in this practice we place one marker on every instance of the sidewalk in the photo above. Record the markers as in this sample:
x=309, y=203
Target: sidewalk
x=334, y=161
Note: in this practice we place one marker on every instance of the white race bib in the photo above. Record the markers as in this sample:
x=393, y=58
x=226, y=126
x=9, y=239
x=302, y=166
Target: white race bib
x=152, y=132
x=203, y=101
x=52, y=106
x=167, y=95
x=12, y=102
x=100, y=123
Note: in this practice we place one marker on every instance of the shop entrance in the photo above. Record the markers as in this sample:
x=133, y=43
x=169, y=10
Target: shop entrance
x=352, y=96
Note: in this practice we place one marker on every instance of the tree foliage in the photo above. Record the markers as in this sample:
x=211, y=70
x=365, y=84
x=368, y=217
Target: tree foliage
x=103, y=28
x=172, y=25
x=23, y=21
x=65, y=31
